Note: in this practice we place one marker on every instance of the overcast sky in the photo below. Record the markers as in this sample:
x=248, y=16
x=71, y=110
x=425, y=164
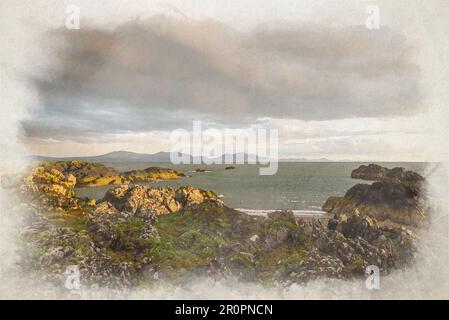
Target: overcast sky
x=338, y=91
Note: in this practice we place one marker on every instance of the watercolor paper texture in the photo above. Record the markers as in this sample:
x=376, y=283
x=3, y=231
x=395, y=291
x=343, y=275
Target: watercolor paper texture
x=203, y=148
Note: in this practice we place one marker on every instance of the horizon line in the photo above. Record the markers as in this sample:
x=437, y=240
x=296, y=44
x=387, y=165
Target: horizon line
x=280, y=159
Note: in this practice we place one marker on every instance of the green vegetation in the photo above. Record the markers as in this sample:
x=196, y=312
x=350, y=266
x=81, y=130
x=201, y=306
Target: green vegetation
x=75, y=219
x=184, y=243
x=356, y=265
x=282, y=260
x=244, y=259
x=274, y=224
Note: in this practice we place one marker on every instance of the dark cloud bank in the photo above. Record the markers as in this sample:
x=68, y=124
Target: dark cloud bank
x=162, y=73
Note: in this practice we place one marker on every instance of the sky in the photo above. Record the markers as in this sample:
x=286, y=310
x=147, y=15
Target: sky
x=134, y=73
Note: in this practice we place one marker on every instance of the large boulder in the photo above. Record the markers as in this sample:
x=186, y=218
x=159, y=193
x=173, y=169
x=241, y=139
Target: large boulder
x=398, y=175
x=158, y=200
x=396, y=196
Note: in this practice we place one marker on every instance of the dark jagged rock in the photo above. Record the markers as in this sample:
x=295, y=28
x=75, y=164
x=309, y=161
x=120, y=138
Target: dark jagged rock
x=373, y=172
x=396, y=196
x=357, y=242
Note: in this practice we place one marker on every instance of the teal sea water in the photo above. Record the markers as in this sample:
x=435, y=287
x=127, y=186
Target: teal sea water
x=299, y=186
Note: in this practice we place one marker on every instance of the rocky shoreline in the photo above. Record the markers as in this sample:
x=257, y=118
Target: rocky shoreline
x=89, y=174
x=138, y=235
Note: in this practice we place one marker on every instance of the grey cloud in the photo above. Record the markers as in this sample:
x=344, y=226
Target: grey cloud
x=163, y=72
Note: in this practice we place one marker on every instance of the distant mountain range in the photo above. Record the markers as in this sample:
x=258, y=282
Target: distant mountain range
x=114, y=156
x=161, y=157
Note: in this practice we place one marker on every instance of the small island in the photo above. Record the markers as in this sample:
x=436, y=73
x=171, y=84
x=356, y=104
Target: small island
x=90, y=174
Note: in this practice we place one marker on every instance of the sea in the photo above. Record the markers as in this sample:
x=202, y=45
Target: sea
x=302, y=187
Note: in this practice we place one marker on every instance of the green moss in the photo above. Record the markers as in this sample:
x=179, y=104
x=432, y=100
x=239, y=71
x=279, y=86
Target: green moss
x=305, y=241
x=357, y=264
x=243, y=258
x=120, y=256
x=128, y=235
x=183, y=244
x=74, y=219
x=294, y=260
x=274, y=224
x=220, y=223
x=280, y=260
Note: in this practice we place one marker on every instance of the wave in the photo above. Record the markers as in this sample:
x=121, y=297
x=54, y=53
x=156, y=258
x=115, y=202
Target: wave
x=298, y=213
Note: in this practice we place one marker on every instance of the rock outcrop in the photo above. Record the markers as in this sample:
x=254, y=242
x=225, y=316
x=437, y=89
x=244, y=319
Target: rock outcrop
x=121, y=248
x=50, y=188
x=349, y=244
x=51, y=185
x=121, y=231
x=89, y=174
x=158, y=200
x=396, y=196
x=373, y=172
x=151, y=174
